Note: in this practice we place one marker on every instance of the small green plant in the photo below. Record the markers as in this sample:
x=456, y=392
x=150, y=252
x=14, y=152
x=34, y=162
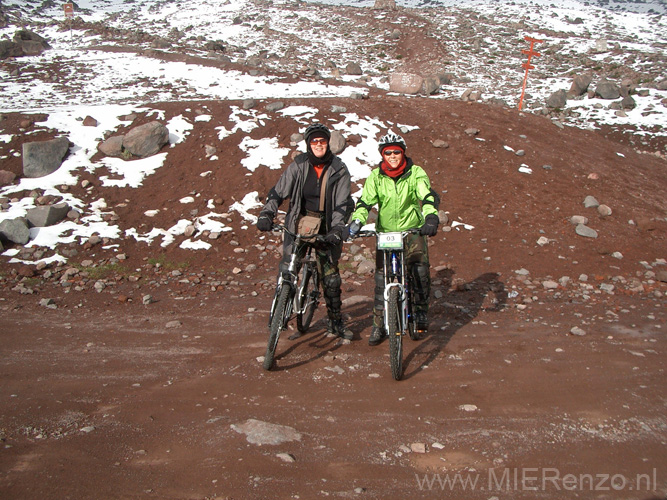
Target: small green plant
x=102, y=271
x=30, y=282
x=162, y=261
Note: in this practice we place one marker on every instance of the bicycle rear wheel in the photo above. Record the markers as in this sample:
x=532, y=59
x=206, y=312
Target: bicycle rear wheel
x=277, y=324
x=395, y=334
x=308, y=297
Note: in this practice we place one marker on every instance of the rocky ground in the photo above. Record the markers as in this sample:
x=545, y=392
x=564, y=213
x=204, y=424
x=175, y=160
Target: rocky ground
x=134, y=371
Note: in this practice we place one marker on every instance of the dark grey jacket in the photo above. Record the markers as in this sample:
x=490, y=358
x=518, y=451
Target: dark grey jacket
x=338, y=202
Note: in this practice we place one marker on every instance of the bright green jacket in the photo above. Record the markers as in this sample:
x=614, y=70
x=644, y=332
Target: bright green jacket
x=403, y=203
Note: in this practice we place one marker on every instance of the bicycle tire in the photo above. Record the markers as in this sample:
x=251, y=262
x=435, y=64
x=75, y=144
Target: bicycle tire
x=395, y=334
x=309, y=297
x=277, y=324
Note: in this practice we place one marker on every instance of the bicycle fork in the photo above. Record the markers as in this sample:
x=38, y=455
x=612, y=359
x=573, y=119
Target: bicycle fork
x=288, y=278
x=395, y=268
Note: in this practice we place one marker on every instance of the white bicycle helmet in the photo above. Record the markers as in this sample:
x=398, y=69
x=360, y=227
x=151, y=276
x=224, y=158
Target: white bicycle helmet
x=391, y=139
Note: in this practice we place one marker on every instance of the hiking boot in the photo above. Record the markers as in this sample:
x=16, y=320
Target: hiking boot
x=421, y=322
x=377, y=335
x=339, y=329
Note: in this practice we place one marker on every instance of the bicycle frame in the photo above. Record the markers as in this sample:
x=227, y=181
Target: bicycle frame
x=290, y=277
x=395, y=276
x=395, y=273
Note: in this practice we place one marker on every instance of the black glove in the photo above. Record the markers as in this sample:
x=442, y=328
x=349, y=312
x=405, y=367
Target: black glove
x=354, y=228
x=265, y=222
x=334, y=236
x=430, y=226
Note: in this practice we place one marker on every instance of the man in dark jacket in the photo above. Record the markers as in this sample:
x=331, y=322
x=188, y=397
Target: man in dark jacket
x=301, y=183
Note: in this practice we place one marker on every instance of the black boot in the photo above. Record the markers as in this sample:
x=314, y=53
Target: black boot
x=338, y=328
x=421, y=323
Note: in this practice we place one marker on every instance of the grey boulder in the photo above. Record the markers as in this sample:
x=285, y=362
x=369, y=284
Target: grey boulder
x=337, y=142
x=48, y=215
x=44, y=157
x=146, y=140
x=15, y=230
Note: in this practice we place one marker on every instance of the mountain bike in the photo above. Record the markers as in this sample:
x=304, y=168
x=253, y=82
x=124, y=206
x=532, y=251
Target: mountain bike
x=398, y=296
x=295, y=292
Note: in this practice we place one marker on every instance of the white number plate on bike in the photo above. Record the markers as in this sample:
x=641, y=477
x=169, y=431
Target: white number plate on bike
x=388, y=241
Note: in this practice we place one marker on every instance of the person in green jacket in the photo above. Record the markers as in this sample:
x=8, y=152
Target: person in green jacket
x=402, y=191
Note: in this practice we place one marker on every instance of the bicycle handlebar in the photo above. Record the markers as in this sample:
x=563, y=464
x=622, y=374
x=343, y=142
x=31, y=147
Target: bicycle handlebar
x=369, y=232
x=317, y=238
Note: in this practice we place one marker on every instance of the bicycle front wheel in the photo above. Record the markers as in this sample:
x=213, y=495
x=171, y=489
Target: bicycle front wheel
x=277, y=323
x=308, y=298
x=395, y=333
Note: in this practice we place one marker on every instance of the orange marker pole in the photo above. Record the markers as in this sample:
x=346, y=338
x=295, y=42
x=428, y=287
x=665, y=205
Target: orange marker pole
x=530, y=53
x=69, y=14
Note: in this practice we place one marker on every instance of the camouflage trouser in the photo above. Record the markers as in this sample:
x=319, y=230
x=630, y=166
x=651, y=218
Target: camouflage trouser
x=418, y=267
x=327, y=266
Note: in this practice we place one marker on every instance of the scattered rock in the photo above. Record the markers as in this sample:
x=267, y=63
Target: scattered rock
x=6, y=178
x=113, y=146
x=146, y=140
x=15, y=230
x=431, y=85
x=274, y=106
x=577, y=331
x=89, y=121
x=405, y=83
x=49, y=303
x=44, y=157
x=337, y=142
x=48, y=215
x=286, y=457
x=586, y=231
x=418, y=447
x=557, y=100
x=580, y=85
x=353, y=68
x=604, y=210
x=265, y=433
x=607, y=90
x=385, y=5
x=591, y=202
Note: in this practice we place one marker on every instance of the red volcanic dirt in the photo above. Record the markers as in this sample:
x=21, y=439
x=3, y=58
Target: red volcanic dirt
x=107, y=397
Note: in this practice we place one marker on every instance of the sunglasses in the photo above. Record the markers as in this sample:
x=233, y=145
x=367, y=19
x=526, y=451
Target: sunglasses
x=321, y=140
x=390, y=152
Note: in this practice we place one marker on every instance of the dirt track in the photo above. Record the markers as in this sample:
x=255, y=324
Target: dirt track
x=116, y=405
